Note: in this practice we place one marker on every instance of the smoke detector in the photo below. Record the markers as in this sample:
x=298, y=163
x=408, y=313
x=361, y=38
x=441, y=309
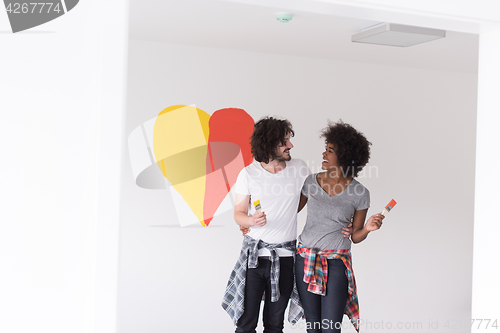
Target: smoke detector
x=284, y=17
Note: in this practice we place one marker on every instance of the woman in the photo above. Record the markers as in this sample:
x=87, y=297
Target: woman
x=324, y=276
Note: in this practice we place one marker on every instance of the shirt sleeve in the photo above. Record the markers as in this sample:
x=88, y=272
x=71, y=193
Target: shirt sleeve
x=364, y=197
x=241, y=185
x=305, y=188
x=304, y=171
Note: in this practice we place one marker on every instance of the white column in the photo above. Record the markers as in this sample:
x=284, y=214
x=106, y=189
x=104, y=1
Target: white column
x=62, y=90
x=113, y=67
x=486, y=267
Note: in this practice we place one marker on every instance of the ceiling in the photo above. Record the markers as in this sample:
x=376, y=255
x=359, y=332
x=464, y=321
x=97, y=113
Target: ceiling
x=248, y=27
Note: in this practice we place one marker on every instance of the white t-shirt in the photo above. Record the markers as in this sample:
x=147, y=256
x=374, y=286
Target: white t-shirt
x=279, y=196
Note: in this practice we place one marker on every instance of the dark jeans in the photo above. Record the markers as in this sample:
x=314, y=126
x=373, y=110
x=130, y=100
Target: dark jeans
x=323, y=312
x=259, y=280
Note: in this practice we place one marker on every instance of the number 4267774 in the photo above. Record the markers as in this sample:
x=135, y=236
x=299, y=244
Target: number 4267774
x=33, y=8
x=474, y=323
x=484, y=323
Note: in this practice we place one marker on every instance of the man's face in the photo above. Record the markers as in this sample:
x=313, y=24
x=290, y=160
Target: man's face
x=283, y=150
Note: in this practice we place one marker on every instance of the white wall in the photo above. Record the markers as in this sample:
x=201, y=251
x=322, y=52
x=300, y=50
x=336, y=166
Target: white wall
x=485, y=289
x=417, y=269
x=61, y=143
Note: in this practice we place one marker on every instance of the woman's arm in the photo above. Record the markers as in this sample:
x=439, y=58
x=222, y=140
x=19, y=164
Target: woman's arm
x=302, y=202
x=360, y=229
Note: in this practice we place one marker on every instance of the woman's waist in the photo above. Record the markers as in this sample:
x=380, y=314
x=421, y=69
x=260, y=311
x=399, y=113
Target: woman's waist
x=328, y=242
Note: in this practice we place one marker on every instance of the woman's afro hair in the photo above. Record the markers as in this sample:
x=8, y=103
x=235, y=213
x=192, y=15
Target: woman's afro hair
x=351, y=147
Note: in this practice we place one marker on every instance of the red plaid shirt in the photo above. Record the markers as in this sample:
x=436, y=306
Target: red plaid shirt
x=316, y=275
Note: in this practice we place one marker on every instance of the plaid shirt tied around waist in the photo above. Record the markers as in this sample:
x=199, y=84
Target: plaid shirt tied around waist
x=316, y=275
x=234, y=297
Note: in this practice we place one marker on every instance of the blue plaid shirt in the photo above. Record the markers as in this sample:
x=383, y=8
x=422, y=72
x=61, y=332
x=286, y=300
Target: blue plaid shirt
x=234, y=297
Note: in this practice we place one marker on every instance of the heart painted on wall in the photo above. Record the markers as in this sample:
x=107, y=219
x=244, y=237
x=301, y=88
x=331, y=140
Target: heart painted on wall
x=202, y=155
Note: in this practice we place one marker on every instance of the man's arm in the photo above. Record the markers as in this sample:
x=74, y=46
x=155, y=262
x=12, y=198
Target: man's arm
x=241, y=217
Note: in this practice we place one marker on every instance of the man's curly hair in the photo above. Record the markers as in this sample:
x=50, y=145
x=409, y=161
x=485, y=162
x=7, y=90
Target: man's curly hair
x=268, y=133
x=351, y=147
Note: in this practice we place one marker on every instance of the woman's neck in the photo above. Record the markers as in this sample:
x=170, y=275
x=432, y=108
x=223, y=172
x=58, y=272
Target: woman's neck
x=335, y=176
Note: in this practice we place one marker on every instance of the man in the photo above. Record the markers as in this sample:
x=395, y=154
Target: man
x=266, y=262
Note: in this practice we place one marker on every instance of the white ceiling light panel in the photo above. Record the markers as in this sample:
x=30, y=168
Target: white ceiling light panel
x=397, y=35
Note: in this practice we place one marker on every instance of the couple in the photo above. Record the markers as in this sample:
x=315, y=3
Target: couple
x=275, y=268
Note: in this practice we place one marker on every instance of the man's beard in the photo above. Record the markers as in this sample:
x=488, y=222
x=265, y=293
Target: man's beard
x=282, y=157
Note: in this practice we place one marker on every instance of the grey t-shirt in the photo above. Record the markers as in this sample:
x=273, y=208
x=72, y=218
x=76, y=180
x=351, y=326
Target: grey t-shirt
x=326, y=215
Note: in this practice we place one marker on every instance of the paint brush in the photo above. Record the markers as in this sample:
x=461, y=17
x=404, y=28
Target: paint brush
x=389, y=206
x=256, y=204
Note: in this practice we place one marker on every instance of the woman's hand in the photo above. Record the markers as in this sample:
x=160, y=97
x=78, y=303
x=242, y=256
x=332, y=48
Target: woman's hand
x=244, y=230
x=347, y=231
x=374, y=222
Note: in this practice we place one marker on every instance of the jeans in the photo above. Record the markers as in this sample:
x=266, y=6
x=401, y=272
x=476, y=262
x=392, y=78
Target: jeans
x=258, y=280
x=324, y=313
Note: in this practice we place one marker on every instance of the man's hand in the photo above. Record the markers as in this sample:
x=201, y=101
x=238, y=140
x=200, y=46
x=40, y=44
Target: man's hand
x=259, y=219
x=347, y=231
